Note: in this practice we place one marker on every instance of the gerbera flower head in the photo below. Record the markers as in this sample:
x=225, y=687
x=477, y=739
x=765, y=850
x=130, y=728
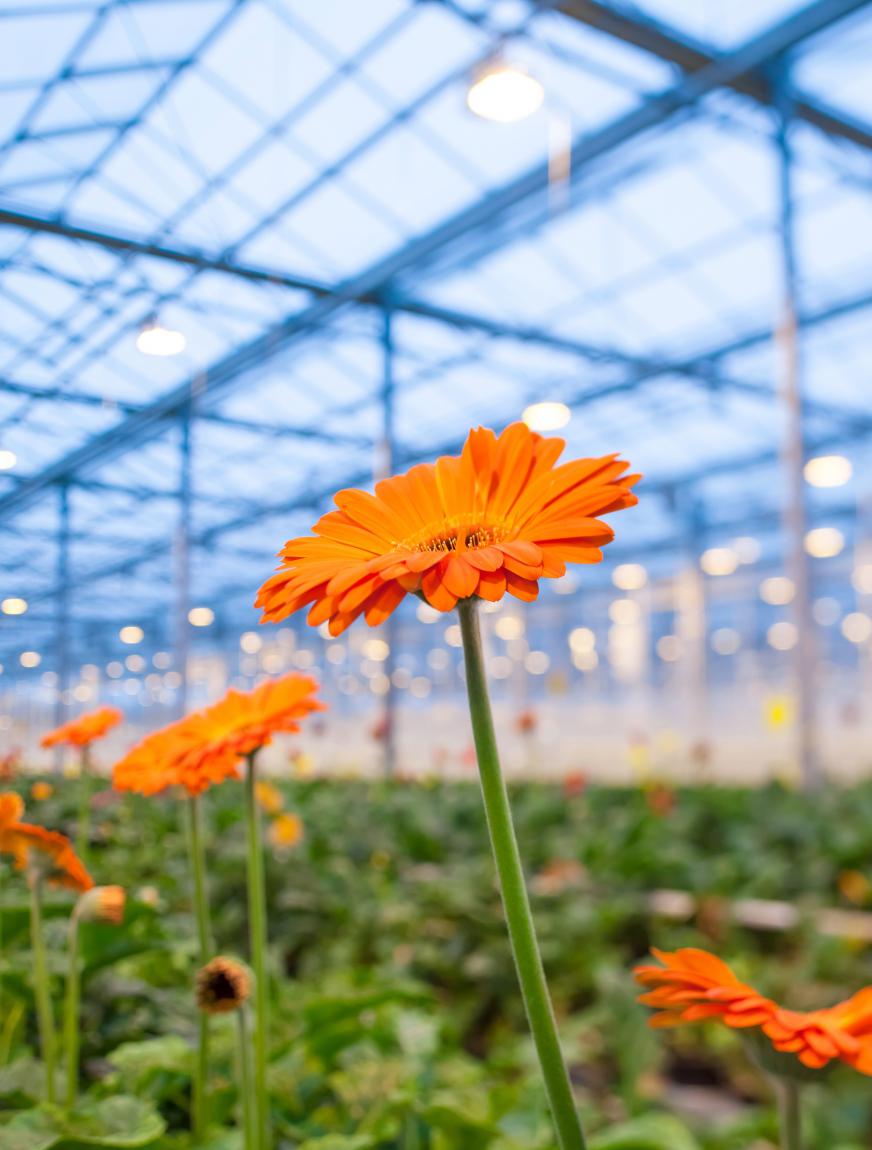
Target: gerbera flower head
x=286, y=831
x=817, y=1037
x=206, y=746
x=43, y=854
x=244, y=721
x=172, y=757
x=11, y=808
x=692, y=985
x=85, y=730
x=492, y=521
x=268, y=796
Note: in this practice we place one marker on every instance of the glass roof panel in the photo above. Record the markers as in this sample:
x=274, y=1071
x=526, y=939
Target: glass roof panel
x=332, y=141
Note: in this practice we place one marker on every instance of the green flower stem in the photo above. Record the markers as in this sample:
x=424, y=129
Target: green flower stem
x=519, y=919
x=200, y=1107
x=45, y=1018
x=83, y=820
x=258, y=942
x=789, y=1113
x=198, y=869
x=71, y=1011
x=249, y=1125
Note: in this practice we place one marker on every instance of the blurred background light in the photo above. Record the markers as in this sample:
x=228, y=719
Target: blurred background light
x=155, y=339
x=504, y=93
x=544, y=417
x=824, y=542
x=828, y=471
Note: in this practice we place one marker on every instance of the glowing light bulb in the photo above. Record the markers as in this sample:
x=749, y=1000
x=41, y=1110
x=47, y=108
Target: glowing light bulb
x=828, y=471
x=719, y=561
x=629, y=577
x=546, y=416
x=504, y=93
x=154, y=339
x=824, y=542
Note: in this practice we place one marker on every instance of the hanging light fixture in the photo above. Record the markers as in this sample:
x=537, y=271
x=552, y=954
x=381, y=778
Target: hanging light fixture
x=155, y=339
x=546, y=416
x=504, y=93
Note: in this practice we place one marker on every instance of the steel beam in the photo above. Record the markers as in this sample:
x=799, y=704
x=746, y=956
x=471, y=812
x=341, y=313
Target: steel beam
x=182, y=555
x=796, y=511
x=590, y=147
x=385, y=468
x=62, y=621
x=693, y=56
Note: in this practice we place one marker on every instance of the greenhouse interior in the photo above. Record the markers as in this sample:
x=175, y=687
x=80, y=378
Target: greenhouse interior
x=436, y=574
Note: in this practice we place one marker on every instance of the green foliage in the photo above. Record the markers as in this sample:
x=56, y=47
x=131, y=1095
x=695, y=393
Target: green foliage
x=396, y=1020
x=119, y=1123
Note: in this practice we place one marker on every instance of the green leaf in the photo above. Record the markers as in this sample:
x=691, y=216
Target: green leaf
x=33, y=1130
x=22, y=1082
x=120, y=1123
x=137, y=1061
x=652, y=1132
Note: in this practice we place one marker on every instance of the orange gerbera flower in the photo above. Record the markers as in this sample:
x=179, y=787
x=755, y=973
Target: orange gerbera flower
x=206, y=747
x=693, y=985
x=163, y=759
x=817, y=1037
x=85, y=730
x=243, y=721
x=33, y=847
x=494, y=520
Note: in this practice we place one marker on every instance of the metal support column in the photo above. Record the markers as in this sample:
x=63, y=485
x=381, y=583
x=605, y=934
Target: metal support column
x=788, y=352
x=384, y=468
x=692, y=632
x=182, y=550
x=62, y=702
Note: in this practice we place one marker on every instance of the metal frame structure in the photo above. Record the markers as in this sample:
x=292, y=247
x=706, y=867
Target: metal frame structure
x=400, y=286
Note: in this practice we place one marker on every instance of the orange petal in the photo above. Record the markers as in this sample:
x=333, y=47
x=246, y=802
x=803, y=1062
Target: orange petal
x=459, y=577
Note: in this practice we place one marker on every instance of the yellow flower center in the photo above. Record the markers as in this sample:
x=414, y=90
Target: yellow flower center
x=460, y=533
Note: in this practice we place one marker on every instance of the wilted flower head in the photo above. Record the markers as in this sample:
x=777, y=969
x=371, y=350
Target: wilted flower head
x=223, y=985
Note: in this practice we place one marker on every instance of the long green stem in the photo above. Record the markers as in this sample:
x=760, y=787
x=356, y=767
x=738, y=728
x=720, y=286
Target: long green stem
x=196, y=850
x=249, y=1126
x=45, y=1019
x=198, y=872
x=519, y=919
x=258, y=942
x=789, y=1113
x=71, y=1012
x=83, y=820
